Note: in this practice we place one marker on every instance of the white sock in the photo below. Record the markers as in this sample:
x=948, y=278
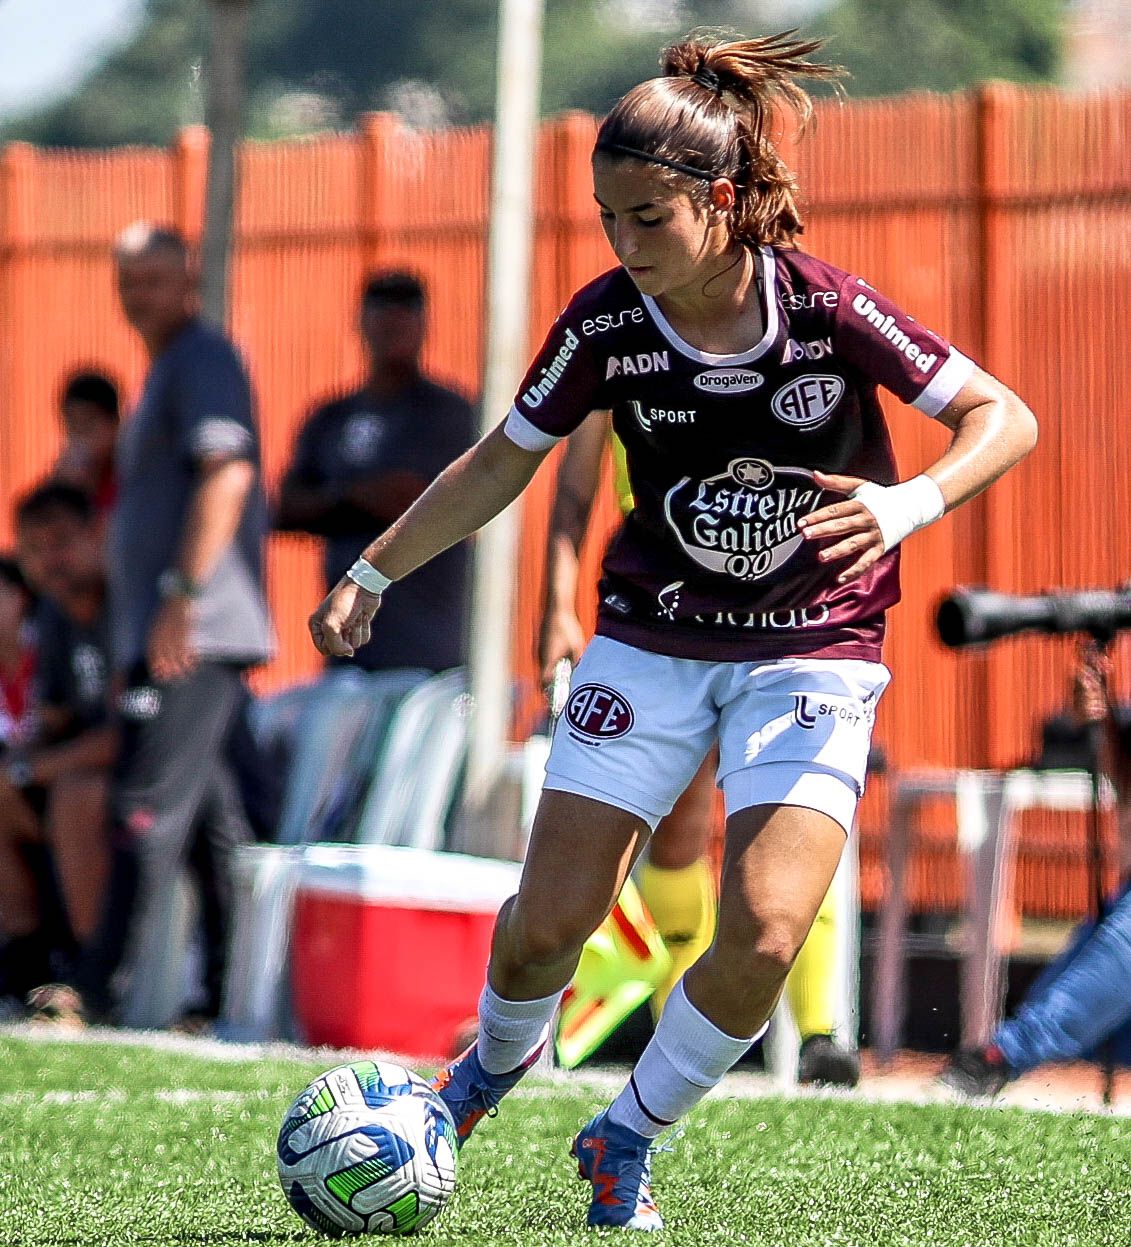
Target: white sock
x=511, y=1030
x=684, y=1059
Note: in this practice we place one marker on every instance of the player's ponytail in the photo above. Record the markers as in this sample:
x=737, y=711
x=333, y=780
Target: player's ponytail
x=711, y=115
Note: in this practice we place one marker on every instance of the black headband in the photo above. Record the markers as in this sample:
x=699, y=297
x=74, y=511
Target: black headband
x=705, y=76
x=619, y=149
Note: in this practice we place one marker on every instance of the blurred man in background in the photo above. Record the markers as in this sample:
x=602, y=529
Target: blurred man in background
x=1083, y=998
x=187, y=608
x=362, y=459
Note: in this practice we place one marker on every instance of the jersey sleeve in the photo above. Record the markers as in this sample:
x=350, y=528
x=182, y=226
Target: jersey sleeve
x=561, y=386
x=895, y=351
x=214, y=406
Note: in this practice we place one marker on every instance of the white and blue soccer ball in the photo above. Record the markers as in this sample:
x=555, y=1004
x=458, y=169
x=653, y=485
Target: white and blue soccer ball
x=367, y=1148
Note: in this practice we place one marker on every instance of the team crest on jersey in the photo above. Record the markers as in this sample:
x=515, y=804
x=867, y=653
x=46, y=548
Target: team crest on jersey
x=809, y=401
x=743, y=522
x=599, y=713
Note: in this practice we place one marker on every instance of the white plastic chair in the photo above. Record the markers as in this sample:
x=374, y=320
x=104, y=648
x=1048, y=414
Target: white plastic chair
x=256, y=1004
x=348, y=708
x=419, y=767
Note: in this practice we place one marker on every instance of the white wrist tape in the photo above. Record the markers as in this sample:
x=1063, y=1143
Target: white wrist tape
x=363, y=573
x=903, y=508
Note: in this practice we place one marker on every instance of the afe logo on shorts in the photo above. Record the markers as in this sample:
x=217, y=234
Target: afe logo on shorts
x=808, y=401
x=598, y=712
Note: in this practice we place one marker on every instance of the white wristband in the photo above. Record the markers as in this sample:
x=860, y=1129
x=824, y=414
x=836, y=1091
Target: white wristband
x=363, y=573
x=903, y=508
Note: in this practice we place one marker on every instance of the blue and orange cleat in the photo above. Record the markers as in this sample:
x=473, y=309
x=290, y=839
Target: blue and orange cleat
x=470, y=1093
x=618, y=1162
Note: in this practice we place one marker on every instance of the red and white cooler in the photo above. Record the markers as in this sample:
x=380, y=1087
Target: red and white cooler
x=390, y=945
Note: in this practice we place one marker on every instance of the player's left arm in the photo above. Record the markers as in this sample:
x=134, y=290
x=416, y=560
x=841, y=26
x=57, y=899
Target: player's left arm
x=992, y=430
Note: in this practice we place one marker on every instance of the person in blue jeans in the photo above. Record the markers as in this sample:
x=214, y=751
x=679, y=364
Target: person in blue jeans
x=1083, y=998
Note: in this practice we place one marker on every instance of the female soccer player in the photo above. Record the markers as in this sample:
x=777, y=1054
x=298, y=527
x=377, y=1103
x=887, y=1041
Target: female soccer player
x=744, y=597
x=674, y=875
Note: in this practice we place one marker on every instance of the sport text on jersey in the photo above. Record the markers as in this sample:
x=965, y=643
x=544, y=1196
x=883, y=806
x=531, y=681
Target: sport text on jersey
x=743, y=522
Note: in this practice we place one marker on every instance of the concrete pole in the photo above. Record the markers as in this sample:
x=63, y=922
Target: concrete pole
x=508, y=308
x=228, y=20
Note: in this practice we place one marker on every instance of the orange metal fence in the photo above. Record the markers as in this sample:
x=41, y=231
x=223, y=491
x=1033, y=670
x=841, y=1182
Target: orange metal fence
x=1001, y=217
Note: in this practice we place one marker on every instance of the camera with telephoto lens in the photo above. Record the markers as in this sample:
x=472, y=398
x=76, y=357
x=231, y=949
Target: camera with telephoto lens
x=978, y=616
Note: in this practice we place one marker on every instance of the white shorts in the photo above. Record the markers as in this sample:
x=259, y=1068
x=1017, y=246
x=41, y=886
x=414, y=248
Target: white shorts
x=791, y=731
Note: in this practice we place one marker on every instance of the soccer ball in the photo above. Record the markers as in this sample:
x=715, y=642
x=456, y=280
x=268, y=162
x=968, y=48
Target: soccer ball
x=367, y=1148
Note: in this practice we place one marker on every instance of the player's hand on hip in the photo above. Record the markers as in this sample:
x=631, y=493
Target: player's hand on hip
x=340, y=626
x=850, y=528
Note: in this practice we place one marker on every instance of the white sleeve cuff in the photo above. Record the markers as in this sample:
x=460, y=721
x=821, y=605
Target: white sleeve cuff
x=526, y=435
x=945, y=384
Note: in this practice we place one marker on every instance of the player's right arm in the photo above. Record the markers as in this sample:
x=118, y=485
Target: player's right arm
x=464, y=497
x=561, y=634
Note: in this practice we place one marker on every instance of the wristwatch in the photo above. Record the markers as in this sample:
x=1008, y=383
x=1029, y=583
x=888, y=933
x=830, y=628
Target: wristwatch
x=173, y=583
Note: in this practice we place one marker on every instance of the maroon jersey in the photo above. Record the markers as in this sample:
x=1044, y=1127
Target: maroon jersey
x=721, y=449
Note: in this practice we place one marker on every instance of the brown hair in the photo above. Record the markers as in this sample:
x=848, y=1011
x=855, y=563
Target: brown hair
x=709, y=117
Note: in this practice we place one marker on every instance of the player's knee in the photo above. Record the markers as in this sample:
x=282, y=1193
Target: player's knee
x=763, y=955
x=543, y=939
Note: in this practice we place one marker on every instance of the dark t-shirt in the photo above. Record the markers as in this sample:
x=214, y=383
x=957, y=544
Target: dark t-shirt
x=196, y=405
x=710, y=563
x=73, y=672
x=422, y=619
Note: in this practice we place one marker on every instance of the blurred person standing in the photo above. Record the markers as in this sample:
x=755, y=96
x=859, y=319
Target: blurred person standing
x=90, y=410
x=362, y=459
x=54, y=777
x=188, y=613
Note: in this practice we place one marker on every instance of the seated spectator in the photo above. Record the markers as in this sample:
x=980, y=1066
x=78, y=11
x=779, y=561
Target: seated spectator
x=1083, y=998
x=363, y=458
x=17, y=656
x=90, y=411
x=54, y=781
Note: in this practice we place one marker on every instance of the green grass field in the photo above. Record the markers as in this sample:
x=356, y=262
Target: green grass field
x=105, y=1145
